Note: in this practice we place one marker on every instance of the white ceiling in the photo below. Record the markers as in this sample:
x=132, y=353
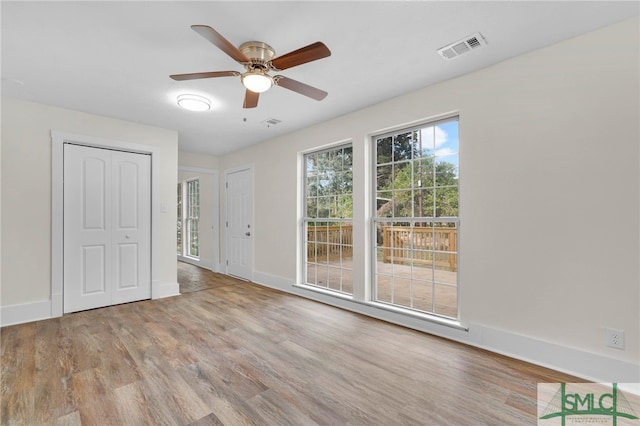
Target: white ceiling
x=114, y=58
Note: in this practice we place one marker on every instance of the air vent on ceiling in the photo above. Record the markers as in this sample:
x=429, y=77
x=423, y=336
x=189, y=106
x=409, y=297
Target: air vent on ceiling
x=467, y=44
x=271, y=122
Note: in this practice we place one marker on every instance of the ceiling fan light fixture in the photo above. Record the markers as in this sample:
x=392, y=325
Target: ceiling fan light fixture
x=257, y=81
x=194, y=102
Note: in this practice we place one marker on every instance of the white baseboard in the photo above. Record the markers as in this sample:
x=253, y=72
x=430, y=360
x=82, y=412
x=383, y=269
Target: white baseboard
x=203, y=263
x=580, y=363
x=161, y=290
x=45, y=309
x=25, y=312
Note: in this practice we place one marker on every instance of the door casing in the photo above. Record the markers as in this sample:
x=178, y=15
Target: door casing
x=58, y=139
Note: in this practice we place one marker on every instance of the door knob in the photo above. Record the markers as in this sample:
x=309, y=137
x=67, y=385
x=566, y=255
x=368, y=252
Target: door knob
x=248, y=234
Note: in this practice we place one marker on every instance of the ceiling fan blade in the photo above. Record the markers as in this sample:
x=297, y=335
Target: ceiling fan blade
x=309, y=53
x=222, y=43
x=303, y=89
x=197, y=75
x=250, y=99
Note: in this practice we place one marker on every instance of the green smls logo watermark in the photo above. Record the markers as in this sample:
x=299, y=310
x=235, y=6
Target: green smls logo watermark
x=585, y=403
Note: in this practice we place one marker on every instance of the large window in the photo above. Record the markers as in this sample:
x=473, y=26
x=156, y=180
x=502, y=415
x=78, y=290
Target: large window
x=328, y=206
x=188, y=218
x=416, y=218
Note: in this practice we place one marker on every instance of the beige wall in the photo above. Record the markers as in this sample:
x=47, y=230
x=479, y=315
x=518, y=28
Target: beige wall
x=26, y=192
x=203, y=161
x=549, y=178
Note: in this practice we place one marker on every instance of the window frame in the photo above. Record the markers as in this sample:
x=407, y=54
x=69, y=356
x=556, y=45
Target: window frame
x=329, y=222
x=186, y=221
x=412, y=220
x=180, y=224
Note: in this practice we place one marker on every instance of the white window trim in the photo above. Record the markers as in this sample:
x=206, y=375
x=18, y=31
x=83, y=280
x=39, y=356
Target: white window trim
x=301, y=261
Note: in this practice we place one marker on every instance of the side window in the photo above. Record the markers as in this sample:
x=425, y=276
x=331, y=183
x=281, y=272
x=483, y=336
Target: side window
x=188, y=218
x=192, y=218
x=179, y=225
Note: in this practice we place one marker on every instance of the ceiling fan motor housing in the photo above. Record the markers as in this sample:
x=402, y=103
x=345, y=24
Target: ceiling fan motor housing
x=257, y=51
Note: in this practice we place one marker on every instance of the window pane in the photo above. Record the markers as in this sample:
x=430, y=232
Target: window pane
x=428, y=135
x=423, y=173
x=445, y=300
x=424, y=144
x=312, y=186
x=312, y=207
x=423, y=295
x=384, y=150
x=311, y=274
x=403, y=146
x=311, y=162
x=423, y=203
x=446, y=202
x=384, y=288
x=347, y=281
x=347, y=153
x=402, y=178
x=384, y=177
x=384, y=204
x=446, y=174
x=402, y=204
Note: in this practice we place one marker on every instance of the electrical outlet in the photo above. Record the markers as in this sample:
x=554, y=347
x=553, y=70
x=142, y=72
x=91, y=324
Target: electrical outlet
x=615, y=338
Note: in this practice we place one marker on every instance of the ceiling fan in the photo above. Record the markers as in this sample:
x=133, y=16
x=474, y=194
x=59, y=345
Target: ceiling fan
x=258, y=59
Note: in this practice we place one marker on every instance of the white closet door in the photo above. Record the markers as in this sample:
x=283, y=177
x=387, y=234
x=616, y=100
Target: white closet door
x=106, y=227
x=131, y=226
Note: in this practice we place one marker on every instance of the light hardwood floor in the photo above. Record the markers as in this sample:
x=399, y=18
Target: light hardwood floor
x=235, y=353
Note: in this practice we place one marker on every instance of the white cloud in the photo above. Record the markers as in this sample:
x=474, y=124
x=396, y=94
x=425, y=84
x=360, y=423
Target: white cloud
x=433, y=136
x=445, y=152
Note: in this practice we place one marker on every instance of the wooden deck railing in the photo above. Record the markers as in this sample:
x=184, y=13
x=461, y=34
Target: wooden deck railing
x=329, y=242
x=420, y=246
x=400, y=245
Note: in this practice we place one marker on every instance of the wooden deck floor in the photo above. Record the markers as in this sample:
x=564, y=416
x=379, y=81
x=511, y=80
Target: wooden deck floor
x=240, y=354
x=417, y=287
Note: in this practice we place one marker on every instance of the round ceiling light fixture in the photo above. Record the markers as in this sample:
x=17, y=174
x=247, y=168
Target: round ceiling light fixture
x=194, y=102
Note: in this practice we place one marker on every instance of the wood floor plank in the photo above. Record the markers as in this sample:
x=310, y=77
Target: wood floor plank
x=71, y=419
x=210, y=420
x=55, y=364
x=94, y=399
x=17, y=369
x=224, y=401
x=234, y=353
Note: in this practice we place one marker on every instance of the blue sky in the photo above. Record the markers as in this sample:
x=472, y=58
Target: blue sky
x=443, y=138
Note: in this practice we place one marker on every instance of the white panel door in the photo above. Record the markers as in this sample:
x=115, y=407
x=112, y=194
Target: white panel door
x=106, y=227
x=239, y=217
x=131, y=226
